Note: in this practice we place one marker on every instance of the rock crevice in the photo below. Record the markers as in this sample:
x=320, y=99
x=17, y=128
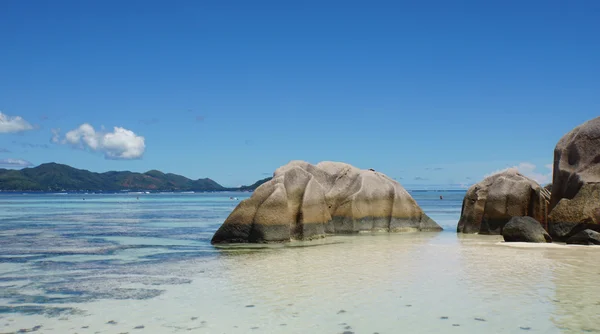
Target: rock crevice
x=575, y=202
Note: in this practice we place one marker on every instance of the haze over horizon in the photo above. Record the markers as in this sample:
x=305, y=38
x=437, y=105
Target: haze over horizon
x=432, y=94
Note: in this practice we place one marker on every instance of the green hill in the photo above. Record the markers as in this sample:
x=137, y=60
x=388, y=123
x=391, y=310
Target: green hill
x=254, y=185
x=58, y=177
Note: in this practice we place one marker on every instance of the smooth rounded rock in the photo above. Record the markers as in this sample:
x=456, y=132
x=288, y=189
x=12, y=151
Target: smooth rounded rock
x=305, y=201
x=491, y=203
x=525, y=229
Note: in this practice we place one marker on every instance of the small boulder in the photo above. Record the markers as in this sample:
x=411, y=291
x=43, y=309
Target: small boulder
x=585, y=237
x=525, y=229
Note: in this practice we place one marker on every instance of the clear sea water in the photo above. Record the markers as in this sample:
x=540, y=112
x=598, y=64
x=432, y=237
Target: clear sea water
x=119, y=264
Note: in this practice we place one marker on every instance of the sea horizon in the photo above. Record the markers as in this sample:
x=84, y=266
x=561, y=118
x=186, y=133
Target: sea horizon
x=409, y=188
x=403, y=166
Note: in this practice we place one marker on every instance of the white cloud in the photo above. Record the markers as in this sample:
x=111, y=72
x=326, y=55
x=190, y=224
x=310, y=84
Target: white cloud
x=55, y=136
x=528, y=169
x=11, y=124
x=550, y=166
x=118, y=144
x=14, y=163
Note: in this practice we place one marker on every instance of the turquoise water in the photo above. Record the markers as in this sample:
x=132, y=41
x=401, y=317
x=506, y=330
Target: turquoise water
x=99, y=263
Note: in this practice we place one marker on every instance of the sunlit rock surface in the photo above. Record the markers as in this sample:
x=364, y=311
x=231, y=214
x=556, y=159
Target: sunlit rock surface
x=305, y=201
x=575, y=199
x=491, y=203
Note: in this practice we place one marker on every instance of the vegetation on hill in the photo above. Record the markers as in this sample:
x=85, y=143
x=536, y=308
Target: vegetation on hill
x=255, y=185
x=58, y=177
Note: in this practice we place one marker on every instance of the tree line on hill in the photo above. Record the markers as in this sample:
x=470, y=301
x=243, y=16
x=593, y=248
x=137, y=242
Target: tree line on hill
x=58, y=177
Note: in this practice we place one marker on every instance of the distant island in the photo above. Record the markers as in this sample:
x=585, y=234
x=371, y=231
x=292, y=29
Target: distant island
x=59, y=177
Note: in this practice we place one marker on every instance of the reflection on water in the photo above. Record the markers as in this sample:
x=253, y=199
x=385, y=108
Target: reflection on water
x=113, y=264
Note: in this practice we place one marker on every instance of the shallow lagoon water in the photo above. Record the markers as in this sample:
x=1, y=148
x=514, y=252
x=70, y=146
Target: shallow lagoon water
x=116, y=264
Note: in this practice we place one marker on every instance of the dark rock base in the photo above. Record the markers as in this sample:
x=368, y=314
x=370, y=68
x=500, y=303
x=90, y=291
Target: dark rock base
x=525, y=229
x=564, y=231
x=308, y=231
x=585, y=237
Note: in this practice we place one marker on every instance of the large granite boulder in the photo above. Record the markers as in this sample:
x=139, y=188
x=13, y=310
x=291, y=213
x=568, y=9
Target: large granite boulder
x=585, y=237
x=576, y=161
x=571, y=216
x=305, y=201
x=491, y=203
x=575, y=202
x=525, y=229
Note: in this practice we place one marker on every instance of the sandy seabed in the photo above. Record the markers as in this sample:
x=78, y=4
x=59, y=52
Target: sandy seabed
x=389, y=283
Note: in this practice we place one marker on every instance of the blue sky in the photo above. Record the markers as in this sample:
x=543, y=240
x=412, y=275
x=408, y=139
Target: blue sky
x=439, y=92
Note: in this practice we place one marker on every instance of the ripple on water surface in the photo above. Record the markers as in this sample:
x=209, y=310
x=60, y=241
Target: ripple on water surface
x=113, y=263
